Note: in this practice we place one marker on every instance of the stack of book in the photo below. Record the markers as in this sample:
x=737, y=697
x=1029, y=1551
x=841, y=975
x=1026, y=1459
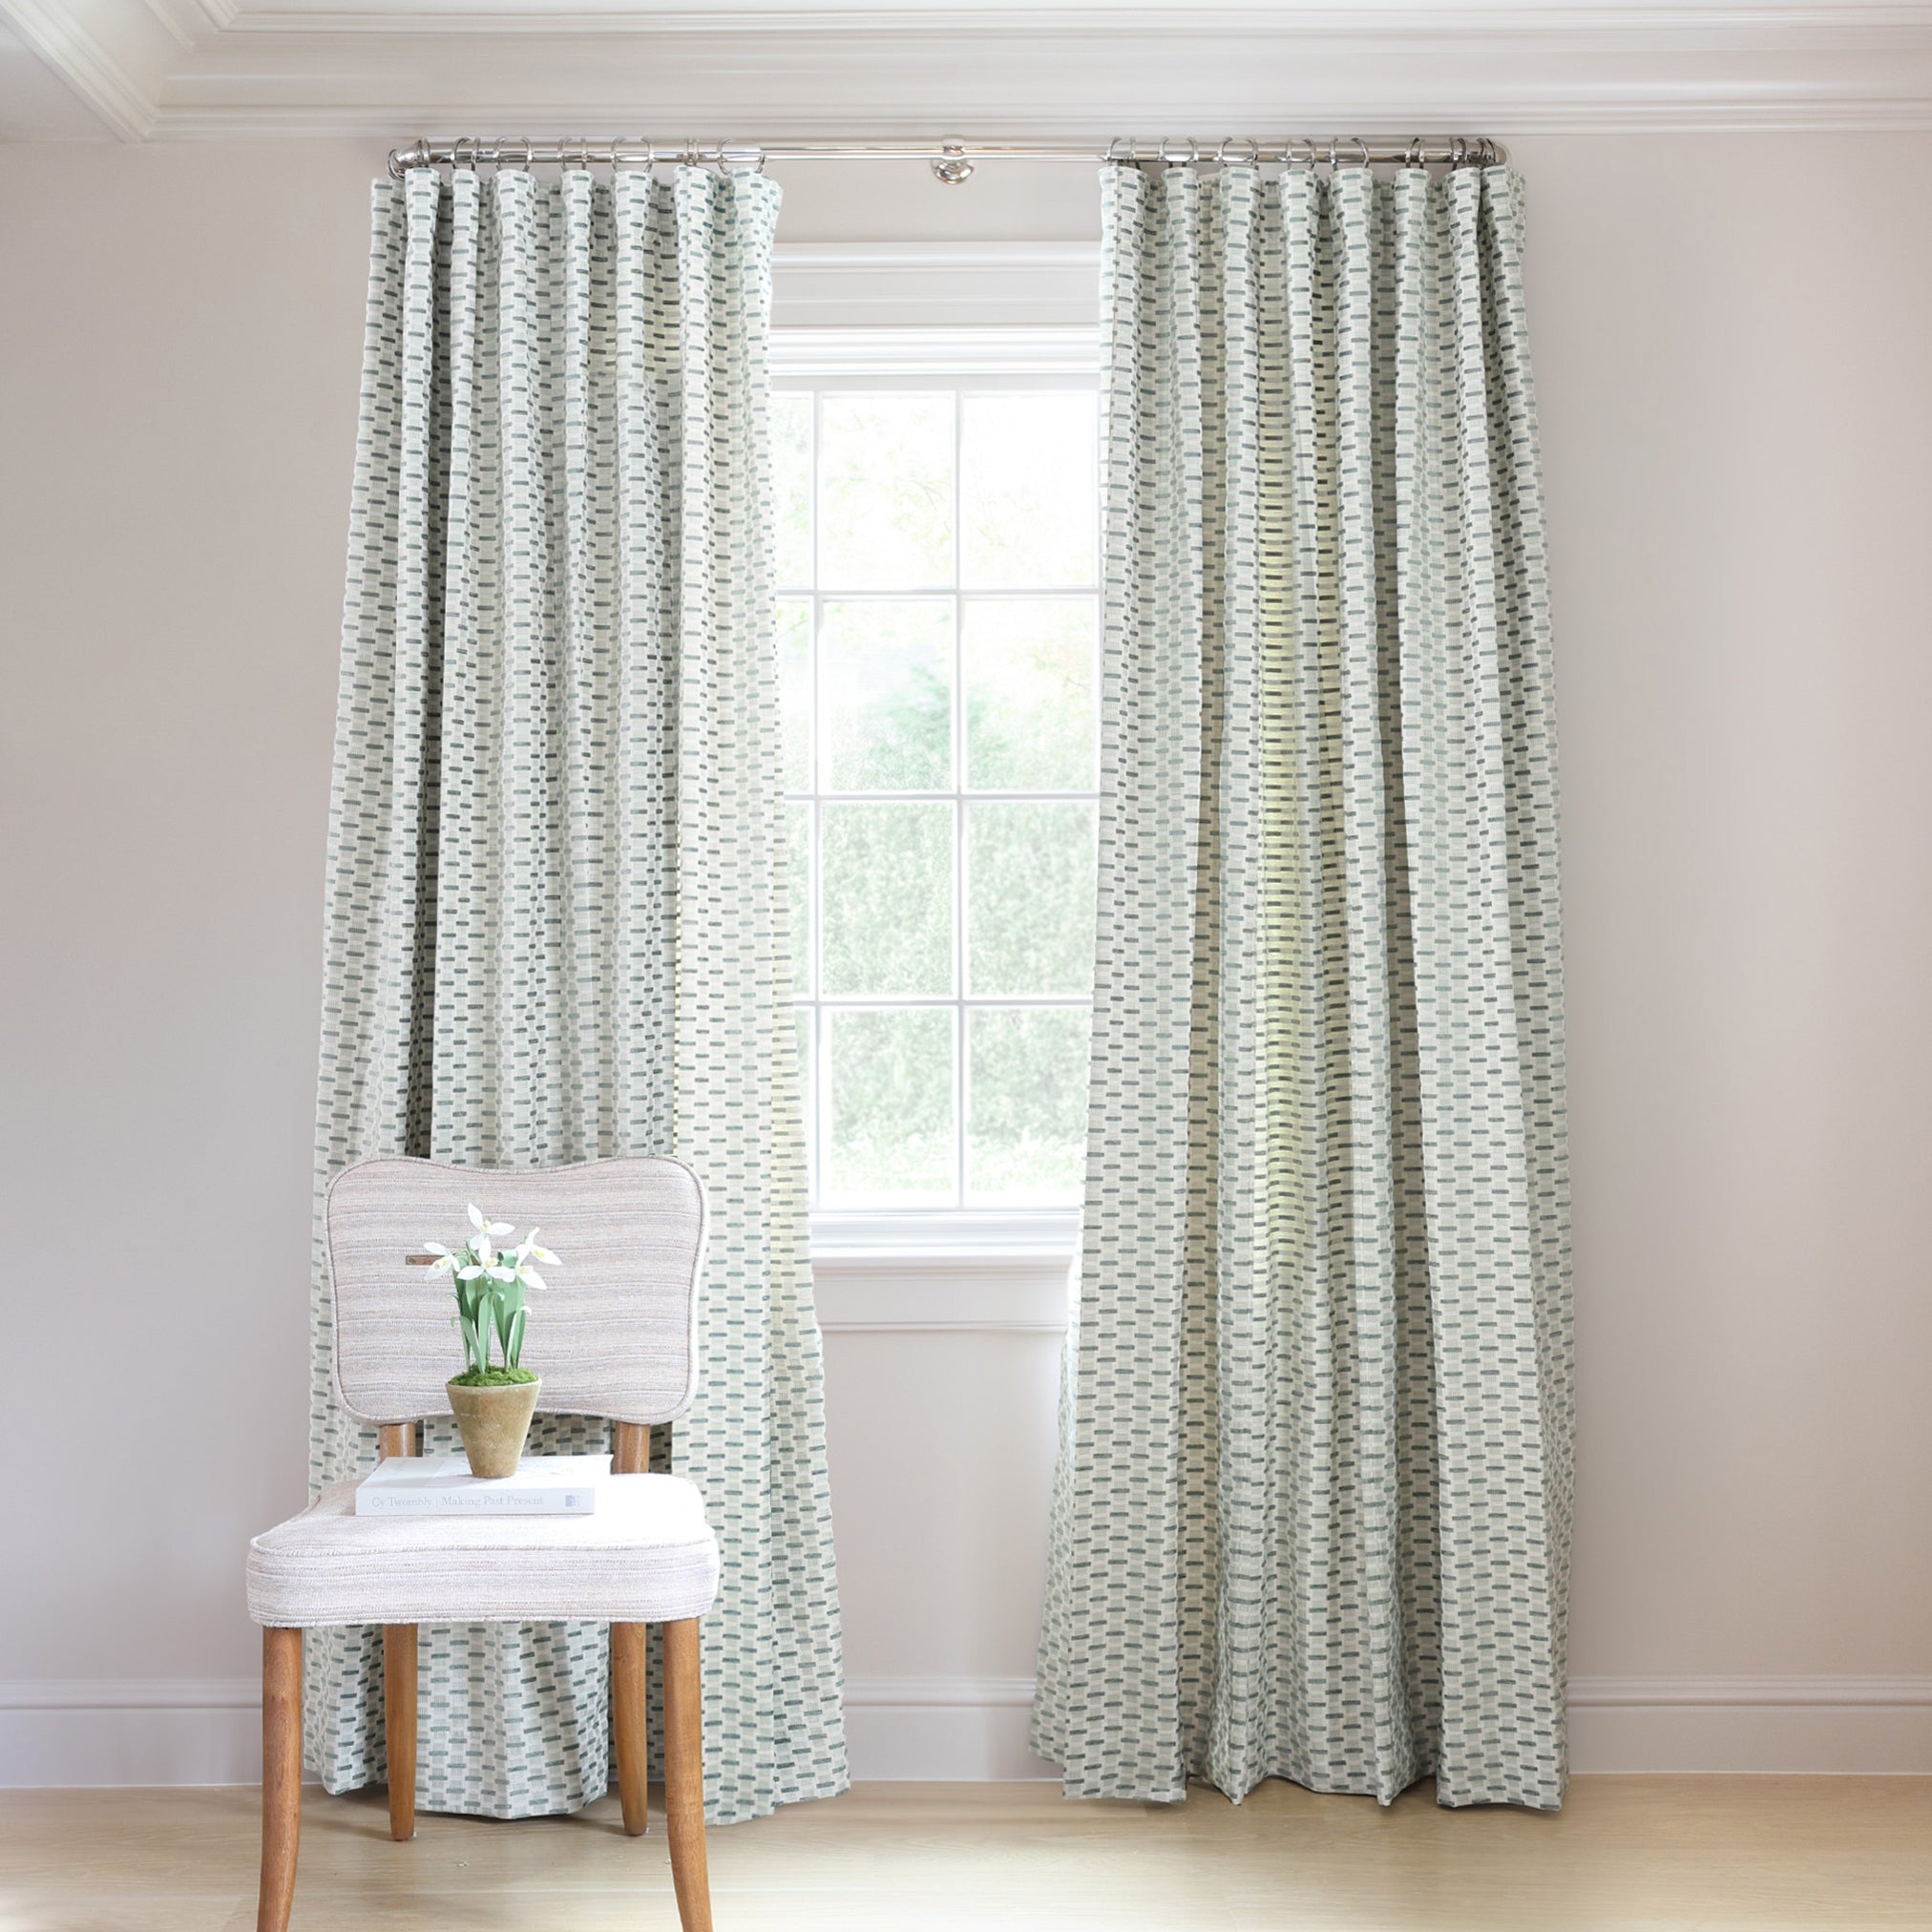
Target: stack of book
x=442, y=1485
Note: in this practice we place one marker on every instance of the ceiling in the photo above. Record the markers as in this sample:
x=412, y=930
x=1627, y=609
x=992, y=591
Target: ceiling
x=140, y=69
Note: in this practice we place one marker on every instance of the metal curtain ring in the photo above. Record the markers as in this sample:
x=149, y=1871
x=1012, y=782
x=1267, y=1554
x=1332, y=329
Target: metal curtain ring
x=1177, y=160
x=1414, y=157
x=1251, y=159
x=1363, y=145
x=1458, y=152
x=1121, y=150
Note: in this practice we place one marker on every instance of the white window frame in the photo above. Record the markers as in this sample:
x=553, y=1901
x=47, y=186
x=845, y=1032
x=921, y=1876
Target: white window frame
x=883, y=1243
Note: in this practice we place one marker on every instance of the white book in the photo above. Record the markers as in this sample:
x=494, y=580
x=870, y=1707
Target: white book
x=442, y=1485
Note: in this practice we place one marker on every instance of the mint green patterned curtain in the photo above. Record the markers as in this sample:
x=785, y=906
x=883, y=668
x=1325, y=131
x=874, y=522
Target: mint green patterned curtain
x=554, y=924
x=1314, y=1504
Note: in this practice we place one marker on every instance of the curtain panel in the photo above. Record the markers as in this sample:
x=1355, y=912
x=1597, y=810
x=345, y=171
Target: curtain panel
x=555, y=892
x=1311, y=1517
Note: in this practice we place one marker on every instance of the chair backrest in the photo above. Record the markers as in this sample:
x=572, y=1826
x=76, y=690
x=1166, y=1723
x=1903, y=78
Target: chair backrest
x=613, y=1331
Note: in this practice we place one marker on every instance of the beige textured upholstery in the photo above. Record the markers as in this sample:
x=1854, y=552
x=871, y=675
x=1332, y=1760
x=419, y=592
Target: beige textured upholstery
x=646, y=1555
x=613, y=1333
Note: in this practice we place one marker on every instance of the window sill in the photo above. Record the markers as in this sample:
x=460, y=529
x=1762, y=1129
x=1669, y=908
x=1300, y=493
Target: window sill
x=901, y=1238
x=937, y=1270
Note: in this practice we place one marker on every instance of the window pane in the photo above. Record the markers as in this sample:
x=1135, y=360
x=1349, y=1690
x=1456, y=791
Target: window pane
x=1029, y=668
x=885, y=671
x=1029, y=490
x=798, y=881
x=885, y=492
x=792, y=486
x=889, y=1085
x=794, y=691
x=887, y=898
x=1027, y=1119
x=1029, y=898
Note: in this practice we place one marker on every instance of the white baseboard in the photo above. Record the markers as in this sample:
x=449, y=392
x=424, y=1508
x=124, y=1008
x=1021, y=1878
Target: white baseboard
x=922, y=1729
x=1869, y=1725
x=207, y=1730
x=82, y=1730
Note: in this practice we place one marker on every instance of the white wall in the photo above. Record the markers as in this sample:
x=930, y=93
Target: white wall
x=1736, y=388
x=180, y=355
x=1731, y=337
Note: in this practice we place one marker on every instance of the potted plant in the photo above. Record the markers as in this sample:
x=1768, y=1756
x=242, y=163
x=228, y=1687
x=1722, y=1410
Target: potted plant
x=493, y=1404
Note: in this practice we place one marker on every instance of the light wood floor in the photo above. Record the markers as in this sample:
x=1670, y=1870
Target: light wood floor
x=1656, y=1852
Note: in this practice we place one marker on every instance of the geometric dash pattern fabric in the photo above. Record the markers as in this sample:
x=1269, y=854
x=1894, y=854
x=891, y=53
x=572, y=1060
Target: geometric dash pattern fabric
x=1313, y=1513
x=555, y=883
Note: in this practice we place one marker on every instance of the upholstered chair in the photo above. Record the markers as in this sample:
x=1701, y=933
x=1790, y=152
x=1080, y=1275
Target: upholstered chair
x=613, y=1335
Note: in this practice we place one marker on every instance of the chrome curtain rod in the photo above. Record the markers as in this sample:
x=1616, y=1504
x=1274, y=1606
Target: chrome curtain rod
x=950, y=161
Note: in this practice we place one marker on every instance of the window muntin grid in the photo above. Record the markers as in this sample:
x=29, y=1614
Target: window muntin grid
x=1010, y=644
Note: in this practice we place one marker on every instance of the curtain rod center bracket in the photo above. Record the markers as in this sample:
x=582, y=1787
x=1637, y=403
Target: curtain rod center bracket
x=951, y=166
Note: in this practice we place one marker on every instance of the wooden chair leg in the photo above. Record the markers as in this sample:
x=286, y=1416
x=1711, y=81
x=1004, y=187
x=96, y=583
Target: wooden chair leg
x=399, y=1679
x=399, y=1726
x=684, y=1775
x=627, y=1710
x=630, y=1456
x=281, y=1775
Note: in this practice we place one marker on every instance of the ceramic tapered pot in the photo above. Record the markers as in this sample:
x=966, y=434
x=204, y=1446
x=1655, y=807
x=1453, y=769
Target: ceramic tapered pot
x=494, y=1424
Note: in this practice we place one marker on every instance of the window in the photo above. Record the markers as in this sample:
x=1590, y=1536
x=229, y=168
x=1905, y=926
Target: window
x=939, y=616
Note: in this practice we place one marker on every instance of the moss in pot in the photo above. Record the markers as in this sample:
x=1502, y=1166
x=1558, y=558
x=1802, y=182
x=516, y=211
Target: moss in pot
x=493, y=1402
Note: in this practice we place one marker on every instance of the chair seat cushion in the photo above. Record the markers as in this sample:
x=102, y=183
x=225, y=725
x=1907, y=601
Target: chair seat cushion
x=646, y=1555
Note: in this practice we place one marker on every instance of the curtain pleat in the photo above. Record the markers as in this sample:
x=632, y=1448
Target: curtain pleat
x=1311, y=1513
x=556, y=883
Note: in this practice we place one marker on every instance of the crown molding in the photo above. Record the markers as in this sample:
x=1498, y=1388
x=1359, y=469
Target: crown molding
x=1018, y=86
x=219, y=68
x=1368, y=18
x=114, y=53
x=179, y=20
x=1627, y=111
x=190, y=22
